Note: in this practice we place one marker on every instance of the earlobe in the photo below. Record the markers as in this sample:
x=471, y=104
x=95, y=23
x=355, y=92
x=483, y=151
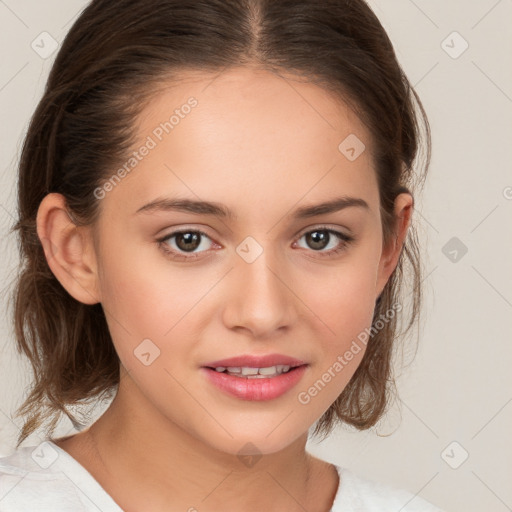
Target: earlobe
x=390, y=255
x=68, y=249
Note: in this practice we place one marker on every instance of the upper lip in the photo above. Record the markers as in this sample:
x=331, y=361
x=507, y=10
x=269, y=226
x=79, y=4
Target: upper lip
x=253, y=361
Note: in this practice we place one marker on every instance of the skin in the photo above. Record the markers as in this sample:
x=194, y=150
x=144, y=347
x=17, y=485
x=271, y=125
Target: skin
x=262, y=145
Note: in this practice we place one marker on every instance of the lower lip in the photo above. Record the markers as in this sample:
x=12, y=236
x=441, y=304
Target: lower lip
x=255, y=389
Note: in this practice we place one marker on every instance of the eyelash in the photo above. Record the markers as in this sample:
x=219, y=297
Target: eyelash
x=171, y=253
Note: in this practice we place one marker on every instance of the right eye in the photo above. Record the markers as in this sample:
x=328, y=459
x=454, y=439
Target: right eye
x=184, y=245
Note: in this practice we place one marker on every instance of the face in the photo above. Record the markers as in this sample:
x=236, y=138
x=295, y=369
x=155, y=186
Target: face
x=185, y=287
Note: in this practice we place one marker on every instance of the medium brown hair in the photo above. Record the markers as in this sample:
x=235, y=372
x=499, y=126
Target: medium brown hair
x=107, y=69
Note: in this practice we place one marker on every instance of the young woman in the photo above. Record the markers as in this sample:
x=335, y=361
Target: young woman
x=215, y=204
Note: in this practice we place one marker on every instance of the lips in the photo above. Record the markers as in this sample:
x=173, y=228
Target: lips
x=249, y=387
x=255, y=361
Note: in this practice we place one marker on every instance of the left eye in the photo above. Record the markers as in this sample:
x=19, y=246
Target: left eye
x=320, y=238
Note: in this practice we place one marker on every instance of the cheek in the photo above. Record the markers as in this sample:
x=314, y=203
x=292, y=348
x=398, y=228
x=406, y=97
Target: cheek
x=144, y=291
x=343, y=294
x=147, y=298
x=344, y=305
x=344, y=300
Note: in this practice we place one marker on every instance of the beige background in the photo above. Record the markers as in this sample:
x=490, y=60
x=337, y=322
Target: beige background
x=458, y=389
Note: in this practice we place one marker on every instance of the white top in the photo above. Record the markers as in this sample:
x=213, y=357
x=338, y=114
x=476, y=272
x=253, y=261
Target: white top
x=45, y=478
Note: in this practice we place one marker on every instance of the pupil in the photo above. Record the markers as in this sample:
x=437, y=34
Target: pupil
x=191, y=241
x=318, y=239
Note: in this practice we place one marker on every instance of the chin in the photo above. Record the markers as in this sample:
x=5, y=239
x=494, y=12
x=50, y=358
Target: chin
x=256, y=442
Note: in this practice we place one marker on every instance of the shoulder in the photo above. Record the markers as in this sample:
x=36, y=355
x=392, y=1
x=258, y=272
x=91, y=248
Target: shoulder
x=356, y=493
x=31, y=479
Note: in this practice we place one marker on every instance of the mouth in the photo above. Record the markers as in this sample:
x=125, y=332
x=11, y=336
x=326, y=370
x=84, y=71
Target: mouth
x=248, y=372
x=250, y=364
x=266, y=380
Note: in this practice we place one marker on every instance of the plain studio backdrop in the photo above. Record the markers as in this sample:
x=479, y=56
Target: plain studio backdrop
x=449, y=438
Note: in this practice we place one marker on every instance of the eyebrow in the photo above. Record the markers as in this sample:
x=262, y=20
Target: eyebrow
x=219, y=210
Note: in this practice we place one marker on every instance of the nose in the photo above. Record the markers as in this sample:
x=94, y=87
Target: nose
x=259, y=299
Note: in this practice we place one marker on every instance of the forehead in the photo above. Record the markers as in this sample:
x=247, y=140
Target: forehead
x=251, y=133
x=253, y=98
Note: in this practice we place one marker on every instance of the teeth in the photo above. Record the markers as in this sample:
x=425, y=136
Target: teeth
x=249, y=371
x=254, y=373
x=280, y=368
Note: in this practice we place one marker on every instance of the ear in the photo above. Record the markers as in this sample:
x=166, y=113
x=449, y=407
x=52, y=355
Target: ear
x=404, y=204
x=69, y=249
